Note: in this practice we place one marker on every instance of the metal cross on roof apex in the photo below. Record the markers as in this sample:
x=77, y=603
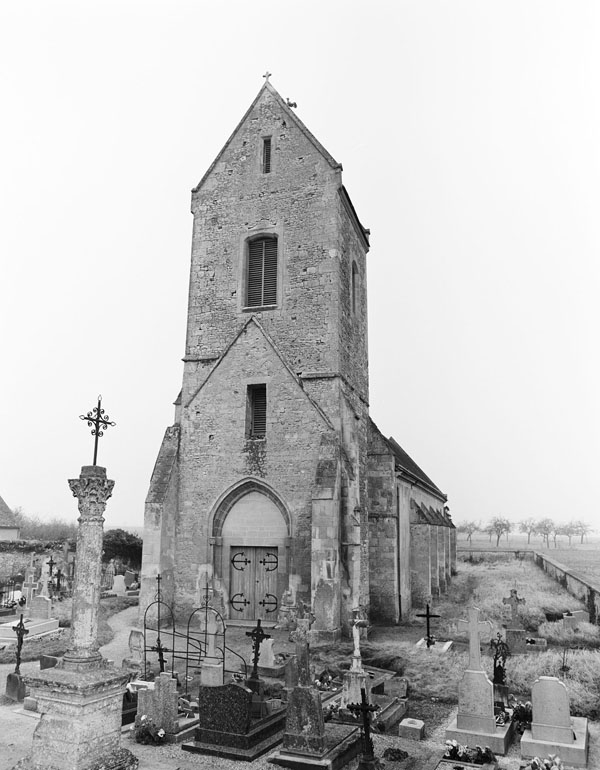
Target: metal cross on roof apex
x=99, y=422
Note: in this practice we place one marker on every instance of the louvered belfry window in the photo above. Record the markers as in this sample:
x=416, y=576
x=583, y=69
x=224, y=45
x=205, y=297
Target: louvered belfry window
x=257, y=403
x=267, y=155
x=262, y=272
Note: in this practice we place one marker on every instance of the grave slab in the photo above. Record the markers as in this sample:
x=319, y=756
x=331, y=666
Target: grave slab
x=438, y=647
x=574, y=753
x=36, y=627
x=342, y=743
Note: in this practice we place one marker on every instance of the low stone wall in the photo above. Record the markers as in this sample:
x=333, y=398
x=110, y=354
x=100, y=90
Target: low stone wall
x=575, y=584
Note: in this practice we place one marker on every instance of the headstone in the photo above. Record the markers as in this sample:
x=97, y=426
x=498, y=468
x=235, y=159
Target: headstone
x=41, y=608
x=109, y=576
x=475, y=722
x=211, y=670
x=356, y=679
x=129, y=578
x=514, y=601
x=160, y=704
x=553, y=729
x=119, y=585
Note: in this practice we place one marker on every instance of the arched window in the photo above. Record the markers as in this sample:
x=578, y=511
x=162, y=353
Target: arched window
x=261, y=273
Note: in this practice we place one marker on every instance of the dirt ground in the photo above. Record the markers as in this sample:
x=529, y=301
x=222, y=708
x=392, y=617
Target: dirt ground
x=17, y=726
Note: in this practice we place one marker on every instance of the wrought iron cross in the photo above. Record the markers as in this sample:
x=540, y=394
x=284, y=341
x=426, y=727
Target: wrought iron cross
x=257, y=635
x=21, y=633
x=474, y=626
x=428, y=615
x=51, y=564
x=99, y=422
x=365, y=709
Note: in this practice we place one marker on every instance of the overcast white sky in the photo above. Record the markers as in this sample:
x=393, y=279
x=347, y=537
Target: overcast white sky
x=469, y=132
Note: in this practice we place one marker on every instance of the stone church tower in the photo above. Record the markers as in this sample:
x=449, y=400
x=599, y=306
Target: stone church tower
x=273, y=479
x=260, y=485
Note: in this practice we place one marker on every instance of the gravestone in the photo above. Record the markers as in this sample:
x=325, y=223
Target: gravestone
x=227, y=726
x=356, y=679
x=129, y=579
x=211, y=670
x=118, y=586
x=573, y=619
x=307, y=740
x=160, y=703
x=514, y=601
x=553, y=729
x=135, y=661
x=475, y=723
x=30, y=587
x=41, y=608
x=516, y=636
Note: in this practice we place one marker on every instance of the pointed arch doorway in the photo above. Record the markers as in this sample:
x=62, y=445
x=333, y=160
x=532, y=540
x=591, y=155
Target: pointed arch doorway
x=251, y=534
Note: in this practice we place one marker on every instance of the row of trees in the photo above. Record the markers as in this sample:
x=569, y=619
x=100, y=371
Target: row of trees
x=546, y=529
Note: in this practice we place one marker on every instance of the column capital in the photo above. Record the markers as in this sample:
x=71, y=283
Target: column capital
x=92, y=489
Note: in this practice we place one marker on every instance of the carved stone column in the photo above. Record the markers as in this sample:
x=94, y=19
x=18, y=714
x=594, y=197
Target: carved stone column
x=92, y=489
x=80, y=700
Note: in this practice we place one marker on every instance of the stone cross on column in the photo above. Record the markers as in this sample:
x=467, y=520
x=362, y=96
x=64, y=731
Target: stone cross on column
x=514, y=602
x=474, y=627
x=92, y=489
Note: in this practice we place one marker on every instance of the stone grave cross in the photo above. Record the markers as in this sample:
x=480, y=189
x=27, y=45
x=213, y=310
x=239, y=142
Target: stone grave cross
x=301, y=637
x=428, y=615
x=31, y=586
x=474, y=626
x=257, y=635
x=514, y=602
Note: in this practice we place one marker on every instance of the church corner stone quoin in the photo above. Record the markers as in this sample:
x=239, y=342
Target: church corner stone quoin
x=273, y=476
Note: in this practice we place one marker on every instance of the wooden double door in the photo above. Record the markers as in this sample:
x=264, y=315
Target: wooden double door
x=253, y=572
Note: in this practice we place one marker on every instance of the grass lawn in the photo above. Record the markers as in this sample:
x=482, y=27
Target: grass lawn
x=433, y=678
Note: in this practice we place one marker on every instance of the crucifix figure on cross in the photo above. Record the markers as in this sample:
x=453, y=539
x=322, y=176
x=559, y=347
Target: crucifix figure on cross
x=258, y=636
x=474, y=626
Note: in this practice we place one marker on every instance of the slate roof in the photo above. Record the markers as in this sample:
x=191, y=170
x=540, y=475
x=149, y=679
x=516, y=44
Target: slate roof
x=405, y=462
x=7, y=517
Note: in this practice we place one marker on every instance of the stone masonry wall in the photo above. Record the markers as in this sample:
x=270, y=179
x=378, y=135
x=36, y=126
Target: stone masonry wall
x=215, y=454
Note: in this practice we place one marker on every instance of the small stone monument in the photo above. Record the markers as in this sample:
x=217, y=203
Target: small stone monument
x=80, y=700
x=211, y=670
x=515, y=633
x=307, y=740
x=553, y=729
x=160, y=703
x=475, y=723
x=356, y=679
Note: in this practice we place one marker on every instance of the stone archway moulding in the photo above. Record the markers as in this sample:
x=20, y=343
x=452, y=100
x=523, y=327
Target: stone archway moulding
x=231, y=497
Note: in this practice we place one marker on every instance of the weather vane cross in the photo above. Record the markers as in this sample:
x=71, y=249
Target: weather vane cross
x=98, y=421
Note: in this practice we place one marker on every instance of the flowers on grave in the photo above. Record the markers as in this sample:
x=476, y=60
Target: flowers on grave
x=552, y=762
x=522, y=713
x=325, y=681
x=330, y=711
x=476, y=756
x=146, y=731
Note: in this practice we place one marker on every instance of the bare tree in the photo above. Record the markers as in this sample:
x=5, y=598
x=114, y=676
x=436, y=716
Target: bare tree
x=545, y=528
x=469, y=528
x=499, y=526
x=528, y=527
x=568, y=530
x=582, y=528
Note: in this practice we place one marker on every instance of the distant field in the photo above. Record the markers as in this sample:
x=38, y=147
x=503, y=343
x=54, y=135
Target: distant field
x=583, y=558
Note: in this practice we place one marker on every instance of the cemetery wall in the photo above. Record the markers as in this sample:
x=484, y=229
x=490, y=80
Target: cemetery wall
x=575, y=584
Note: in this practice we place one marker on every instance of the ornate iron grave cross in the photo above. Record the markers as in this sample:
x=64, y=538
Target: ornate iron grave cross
x=51, y=564
x=474, y=626
x=430, y=639
x=365, y=709
x=21, y=633
x=257, y=635
x=159, y=648
x=99, y=422
x=514, y=602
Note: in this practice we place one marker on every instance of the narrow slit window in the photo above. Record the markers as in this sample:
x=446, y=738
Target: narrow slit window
x=354, y=287
x=257, y=411
x=261, y=278
x=266, y=164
